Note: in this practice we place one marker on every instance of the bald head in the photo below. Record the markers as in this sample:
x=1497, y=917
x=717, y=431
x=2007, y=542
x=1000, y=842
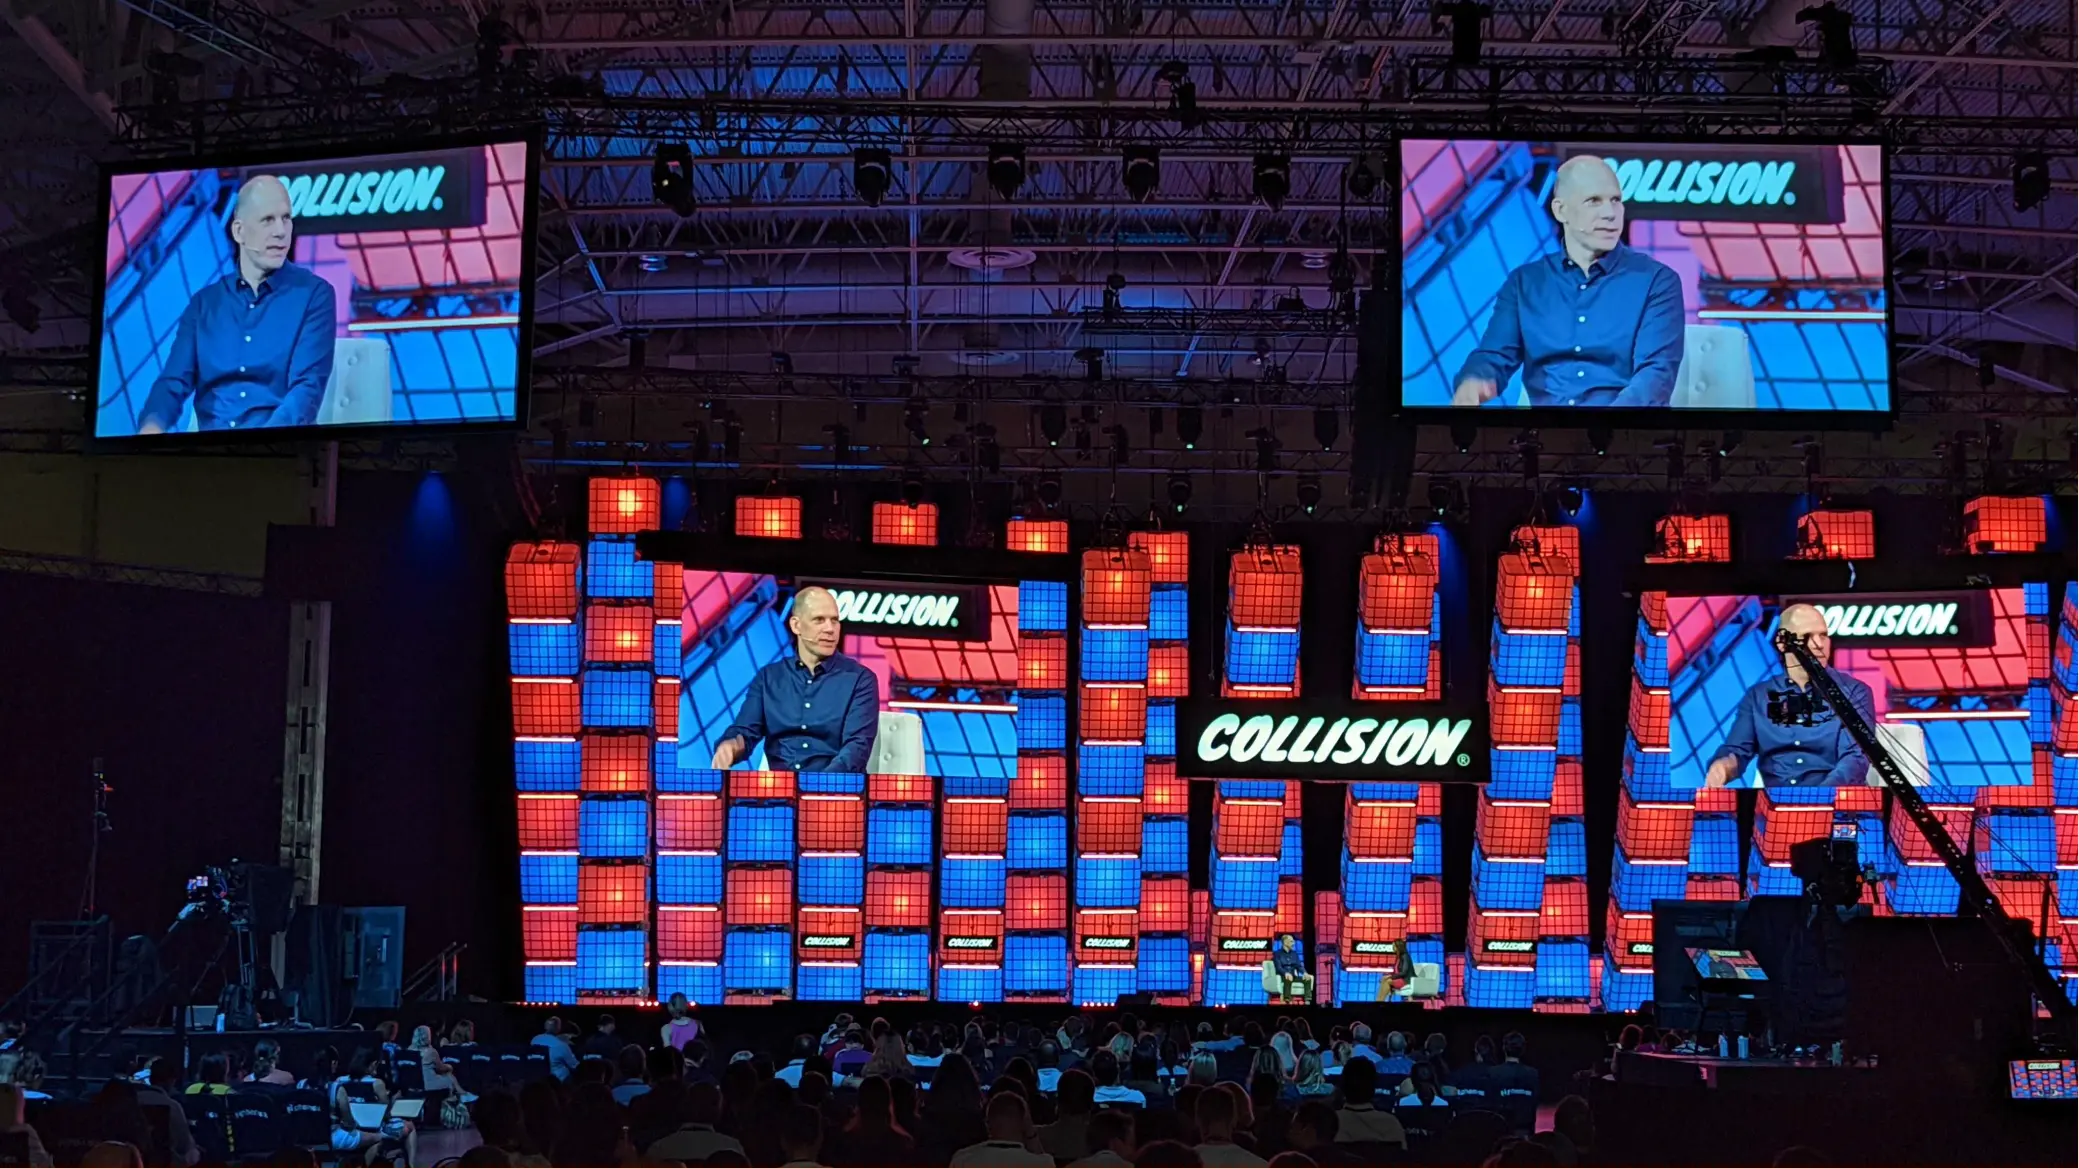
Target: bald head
x=1589, y=206
x=261, y=227
x=815, y=625
x=1808, y=622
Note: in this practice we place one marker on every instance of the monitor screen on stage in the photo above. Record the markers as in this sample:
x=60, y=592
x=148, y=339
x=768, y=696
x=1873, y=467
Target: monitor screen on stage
x=1644, y=278
x=311, y=295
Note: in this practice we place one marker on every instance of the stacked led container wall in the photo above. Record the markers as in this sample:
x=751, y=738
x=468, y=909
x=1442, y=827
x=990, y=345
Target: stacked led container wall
x=1163, y=964
x=2061, y=763
x=545, y=648
x=1113, y=729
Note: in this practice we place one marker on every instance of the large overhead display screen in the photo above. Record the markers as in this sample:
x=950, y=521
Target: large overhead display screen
x=312, y=294
x=1642, y=278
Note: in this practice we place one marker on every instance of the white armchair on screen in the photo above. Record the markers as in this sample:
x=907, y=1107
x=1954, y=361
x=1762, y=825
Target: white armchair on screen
x=1907, y=745
x=1717, y=371
x=358, y=392
x=898, y=748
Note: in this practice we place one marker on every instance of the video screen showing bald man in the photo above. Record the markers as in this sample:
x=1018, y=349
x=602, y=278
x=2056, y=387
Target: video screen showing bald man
x=1642, y=276
x=369, y=291
x=815, y=709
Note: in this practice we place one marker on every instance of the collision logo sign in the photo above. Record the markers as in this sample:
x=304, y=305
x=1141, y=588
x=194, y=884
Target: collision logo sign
x=1108, y=942
x=1936, y=618
x=396, y=192
x=900, y=610
x=970, y=942
x=1879, y=620
x=826, y=941
x=1307, y=740
x=1728, y=184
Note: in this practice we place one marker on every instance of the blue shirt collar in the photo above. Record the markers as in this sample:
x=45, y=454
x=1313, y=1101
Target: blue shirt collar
x=1603, y=267
x=235, y=282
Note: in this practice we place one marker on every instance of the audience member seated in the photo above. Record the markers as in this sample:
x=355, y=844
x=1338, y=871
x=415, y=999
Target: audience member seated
x=16, y=1131
x=1075, y=1100
x=1217, y=1117
x=851, y=1055
x=1424, y=1113
x=1104, y=1068
x=1575, y=1123
x=891, y=1060
x=603, y=1042
x=113, y=1155
x=267, y=1069
x=212, y=1076
x=801, y=1137
x=1359, y=1120
x=804, y=1047
x=1472, y=1085
x=699, y=1136
x=1312, y=1133
x=1009, y=1123
x=874, y=1138
x=1145, y=1074
x=1515, y=1085
x=1395, y=1064
x=562, y=1060
x=1309, y=1081
x=631, y=1065
x=499, y=1123
x=1108, y=1141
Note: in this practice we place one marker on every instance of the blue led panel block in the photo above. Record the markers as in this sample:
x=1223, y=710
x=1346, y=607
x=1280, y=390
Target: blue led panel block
x=1980, y=752
x=2017, y=842
x=1511, y=987
x=897, y=964
x=898, y=836
x=758, y=961
x=548, y=879
x=1262, y=659
x=1101, y=986
x=831, y=880
x=1646, y=776
x=1566, y=850
x=676, y=780
x=1244, y=884
x=684, y=879
x=1562, y=970
x=617, y=698
x=1042, y=721
x=1429, y=848
x=1291, y=853
x=1624, y=990
x=970, y=984
x=1507, y=884
x=963, y=747
x=1714, y=846
x=664, y=648
x=1649, y=658
x=613, y=829
x=1392, y=659
x=551, y=982
x=612, y=571
x=1115, y=655
x=1359, y=986
x=1162, y=728
x=1570, y=727
x=699, y=982
x=1165, y=965
x=830, y=783
x=1105, y=769
x=612, y=960
x=1234, y=986
x=1636, y=886
x=1394, y=793
x=1252, y=789
x=1037, y=842
x=1767, y=880
x=1169, y=613
x=761, y=833
x=547, y=767
x=544, y=651
x=1528, y=659
x=830, y=984
x=1922, y=889
x=1035, y=964
x=969, y=883
x=1521, y=775
x=1043, y=606
x=1166, y=846
x=1111, y=882
x=1376, y=886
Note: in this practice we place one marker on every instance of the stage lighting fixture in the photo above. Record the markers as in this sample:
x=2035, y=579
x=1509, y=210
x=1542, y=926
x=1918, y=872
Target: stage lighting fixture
x=1570, y=499
x=1183, y=93
x=1328, y=426
x=988, y=455
x=1179, y=490
x=1006, y=168
x=653, y=262
x=1191, y=424
x=732, y=440
x=873, y=172
x=1260, y=352
x=1079, y=436
x=1836, y=34
x=1599, y=438
x=1309, y=492
x=1466, y=35
x=1114, y=286
x=1462, y=436
x=782, y=363
x=1053, y=422
x=1154, y=424
x=1988, y=371
x=1730, y=441
x=840, y=443
x=1093, y=362
x=915, y=413
x=671, y=177
x=1446, y=499
x=1049, y=490
x=1361, y=177
x=2031, y=181
x=912, y=485
x=1266, y=449
x=1273, y=179
x=1140, y=168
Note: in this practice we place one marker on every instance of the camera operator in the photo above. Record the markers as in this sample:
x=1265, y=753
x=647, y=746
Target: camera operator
x=1813, y=750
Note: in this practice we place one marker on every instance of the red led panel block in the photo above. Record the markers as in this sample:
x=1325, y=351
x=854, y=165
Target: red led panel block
x=773, y=517
x=619, y=633
x=1693, y=538
x=973, y=827
x=898, y=899
x=541, y=582
x=761, y=785
x=2067, y=838
x=545, y=708
x=2036, y=641
x=899, y=789
x=1906, y=838
x=1328, y=920
x=1248, y=827
x=1631, y=937
x=1654, y=831
x=1367, y=939
x=1396, y=591
x=1837, y=535
x=668, y=583
x=759, y=896
x=1859, y=799
x=1649, y=715
x=1035, y=901
x=1292, y=799
x=1995, y=523
x=548, y=823
x=1565, y=913
x=1513, y=829
x=1779, y=826
x=2064, y=734
x=1566, y=789
x=624, y=506
x=1162, y=793
x=1265, y=588
x=1653, y=606
x=1169, y=671
x=1100, y=926
x=1431, y=690
x=689, y=823
x=1570, y=682
x=1042, y=782
x=1503, y=937
x=830, y=934
x=1723, y=800
x=1373, y=829
x=1554, y=540
x=1036, y=536
x=1426, y=906
x=1043, y=663
x=1240, y=937
x=664, y=707
x=1201, y=917
x=970, y=937
x=689, y=934
x=1713, y=889
x=1108, y=827
x=1115, y=587
x=548, y=933
x=1429, y=800
x=1168, y=553
x=830, y=824
x=897, y=523
x=1534, y=593
x=1523, y=718
x=1113, y=714
x=615, y=763
x=613, y=894
x=1292, y=910
x=1165, y=905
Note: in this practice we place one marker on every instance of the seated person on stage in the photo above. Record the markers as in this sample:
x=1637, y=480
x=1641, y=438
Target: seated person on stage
x=1291, y=967
x=1400, y=970
x=1822, y=755
x=837, y=700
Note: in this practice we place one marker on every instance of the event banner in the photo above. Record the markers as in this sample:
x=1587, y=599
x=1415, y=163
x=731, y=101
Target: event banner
x=1220, y=738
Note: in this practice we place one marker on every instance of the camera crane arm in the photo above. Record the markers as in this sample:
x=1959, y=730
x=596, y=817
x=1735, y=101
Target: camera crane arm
x=1977, y=895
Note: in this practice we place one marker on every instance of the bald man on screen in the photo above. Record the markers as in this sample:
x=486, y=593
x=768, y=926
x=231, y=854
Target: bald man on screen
x=1593, y=324
x=1821, y=755
x=815, y=709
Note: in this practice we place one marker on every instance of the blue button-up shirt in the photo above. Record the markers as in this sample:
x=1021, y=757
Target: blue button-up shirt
x=248, y=358
x=821, y=721
x=1291, y=962
x=1610, y=338
x=1822, y=755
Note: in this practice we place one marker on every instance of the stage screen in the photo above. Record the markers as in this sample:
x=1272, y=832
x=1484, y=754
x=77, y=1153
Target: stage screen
x=314, y=294
x=1945, y=678
x=1642, y=278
